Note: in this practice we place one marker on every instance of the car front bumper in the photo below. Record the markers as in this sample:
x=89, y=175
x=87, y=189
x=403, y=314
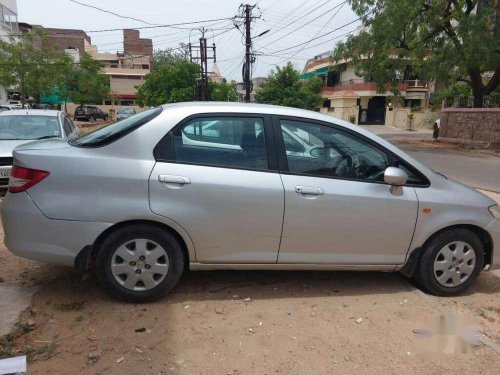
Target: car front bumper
x=494, y=230
x=30, y=234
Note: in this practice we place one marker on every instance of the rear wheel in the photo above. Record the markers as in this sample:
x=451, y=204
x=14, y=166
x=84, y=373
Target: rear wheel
x=450, y=263
x=139, y=263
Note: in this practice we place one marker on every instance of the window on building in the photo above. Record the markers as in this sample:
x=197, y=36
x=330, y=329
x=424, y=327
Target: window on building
x=332, y=79
x=327, y=103
x=127, y=102
x=145, y=66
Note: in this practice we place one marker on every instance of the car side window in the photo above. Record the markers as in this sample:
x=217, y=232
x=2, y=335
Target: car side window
x=68, y=129
x=235, y=142
x=332, y=152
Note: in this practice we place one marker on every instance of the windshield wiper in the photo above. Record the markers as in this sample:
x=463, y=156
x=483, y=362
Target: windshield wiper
x=47, y=137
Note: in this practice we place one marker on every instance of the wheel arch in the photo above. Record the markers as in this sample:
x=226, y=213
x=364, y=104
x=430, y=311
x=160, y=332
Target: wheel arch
x=413, y=258
x=87, y=255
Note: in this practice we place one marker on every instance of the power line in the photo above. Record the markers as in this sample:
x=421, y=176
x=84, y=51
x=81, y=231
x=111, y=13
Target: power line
x=307, y=23
x=327, y=22
x=113, y=13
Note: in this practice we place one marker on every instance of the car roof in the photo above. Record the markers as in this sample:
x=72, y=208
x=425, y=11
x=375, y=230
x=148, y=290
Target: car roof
x=31, y=112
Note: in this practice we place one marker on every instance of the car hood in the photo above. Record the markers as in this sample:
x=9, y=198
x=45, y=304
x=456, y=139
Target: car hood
x=6, y=147
x=44, y=145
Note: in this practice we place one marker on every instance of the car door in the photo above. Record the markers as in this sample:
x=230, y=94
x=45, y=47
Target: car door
x=216, y=176
x=338, y=210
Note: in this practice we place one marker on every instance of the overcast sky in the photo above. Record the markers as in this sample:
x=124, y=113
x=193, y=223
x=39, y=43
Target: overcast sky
x=291, y=22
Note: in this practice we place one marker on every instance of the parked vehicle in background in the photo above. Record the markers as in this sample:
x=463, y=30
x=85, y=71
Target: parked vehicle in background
x=215, y=186
x=89, y=113
x=124, y=113
x=22, y=126
x=9, y=107
x=42, y=106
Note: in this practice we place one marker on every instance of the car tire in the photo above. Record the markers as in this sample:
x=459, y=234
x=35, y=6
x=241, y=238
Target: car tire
x=450, y=262
x=114, y=271
x=92, y=119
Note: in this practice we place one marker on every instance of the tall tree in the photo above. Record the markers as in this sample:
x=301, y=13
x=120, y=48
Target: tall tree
x=223, y=91
x=284, y=87
x=452, y=40
x=31, y=69
x=167, y=56
x=84, y=82
x=170, y=83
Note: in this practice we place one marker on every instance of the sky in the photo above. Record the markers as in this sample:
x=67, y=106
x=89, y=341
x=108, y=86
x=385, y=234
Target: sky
x=297, y=27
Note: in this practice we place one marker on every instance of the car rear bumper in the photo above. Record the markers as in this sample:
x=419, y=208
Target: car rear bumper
x=494, y=230
x=30, y=234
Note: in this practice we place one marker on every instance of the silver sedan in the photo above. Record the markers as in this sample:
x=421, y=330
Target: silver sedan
x=243, y=187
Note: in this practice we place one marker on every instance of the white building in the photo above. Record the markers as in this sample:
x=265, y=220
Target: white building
x=8, y=26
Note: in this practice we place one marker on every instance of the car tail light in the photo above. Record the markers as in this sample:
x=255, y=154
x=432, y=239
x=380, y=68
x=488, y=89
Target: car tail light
x=22, y=178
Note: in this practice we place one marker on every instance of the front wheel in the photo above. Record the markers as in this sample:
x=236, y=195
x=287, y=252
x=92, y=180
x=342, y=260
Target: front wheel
x=450, y=263
x=92, y=119
x=139, y=263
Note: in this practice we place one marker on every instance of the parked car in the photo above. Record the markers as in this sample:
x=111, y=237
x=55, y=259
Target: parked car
x=22, y=126
x=143, y=203
x=89, y=113
x=124, y=113
x=9, y=107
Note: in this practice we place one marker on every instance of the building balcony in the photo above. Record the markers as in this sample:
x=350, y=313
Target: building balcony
x=359, y=84
x=126, y=71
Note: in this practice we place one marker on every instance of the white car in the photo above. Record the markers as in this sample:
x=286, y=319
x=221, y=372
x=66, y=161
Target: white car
x=22, y=126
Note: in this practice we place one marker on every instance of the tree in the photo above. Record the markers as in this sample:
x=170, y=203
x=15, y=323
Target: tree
x=284, y=87
x=453, y=40
x=170, y=83
x=223, y=91
x=85, y=83
x=167, y=56
x=32, y=70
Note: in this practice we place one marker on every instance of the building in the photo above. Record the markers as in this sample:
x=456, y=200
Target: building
x=59, y=39
x=256, y=83
x=8, y=27
x=126, y=69
x=351, y=98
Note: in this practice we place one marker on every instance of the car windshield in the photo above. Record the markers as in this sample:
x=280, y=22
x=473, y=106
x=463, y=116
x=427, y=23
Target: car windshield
x=18, y=127
x=127, y=111
x=111, y=133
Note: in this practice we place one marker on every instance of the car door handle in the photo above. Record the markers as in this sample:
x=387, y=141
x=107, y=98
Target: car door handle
x=170, y=179
x=309, y=190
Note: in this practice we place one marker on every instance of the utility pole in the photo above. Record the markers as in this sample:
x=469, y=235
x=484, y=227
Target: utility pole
x=201, y=54
x=248, y=46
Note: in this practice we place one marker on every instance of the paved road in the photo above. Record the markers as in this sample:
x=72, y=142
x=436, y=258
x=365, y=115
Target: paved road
x=475, y=169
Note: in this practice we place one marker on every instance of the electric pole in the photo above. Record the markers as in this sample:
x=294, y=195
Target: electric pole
x=248, y=46
x=201, y=55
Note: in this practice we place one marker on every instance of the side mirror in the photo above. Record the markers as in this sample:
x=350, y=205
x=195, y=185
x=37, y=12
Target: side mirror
x=396, y=178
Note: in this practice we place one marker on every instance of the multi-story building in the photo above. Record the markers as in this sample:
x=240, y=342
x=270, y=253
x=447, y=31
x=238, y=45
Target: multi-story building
x=126, y=69
x=8, y=28
x=352, y=98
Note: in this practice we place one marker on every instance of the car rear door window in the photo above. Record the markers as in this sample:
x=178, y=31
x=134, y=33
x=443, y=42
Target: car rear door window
x=331, y=152
x=235, y=142
x=68, y=129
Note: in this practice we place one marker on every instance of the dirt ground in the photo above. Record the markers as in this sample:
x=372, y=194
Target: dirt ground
x=246, y=323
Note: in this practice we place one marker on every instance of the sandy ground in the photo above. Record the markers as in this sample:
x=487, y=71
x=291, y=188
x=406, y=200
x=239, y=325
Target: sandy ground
x=247, y=323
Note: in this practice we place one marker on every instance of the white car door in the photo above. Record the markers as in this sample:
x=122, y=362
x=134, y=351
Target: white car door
x=222, y=186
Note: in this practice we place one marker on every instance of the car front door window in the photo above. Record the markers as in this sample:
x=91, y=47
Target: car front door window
x=331, y=152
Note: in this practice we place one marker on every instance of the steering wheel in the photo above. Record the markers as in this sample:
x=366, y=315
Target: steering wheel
x=345, y=167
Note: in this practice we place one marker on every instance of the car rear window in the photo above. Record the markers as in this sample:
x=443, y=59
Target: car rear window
x=115, y=131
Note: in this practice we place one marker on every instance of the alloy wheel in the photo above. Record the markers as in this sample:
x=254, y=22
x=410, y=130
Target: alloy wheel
x=454, y=264
x=139, y=264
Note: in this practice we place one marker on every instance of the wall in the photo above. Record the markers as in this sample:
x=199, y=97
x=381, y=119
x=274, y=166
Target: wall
x=475, y=125
x=124, y=86
x=398, y=118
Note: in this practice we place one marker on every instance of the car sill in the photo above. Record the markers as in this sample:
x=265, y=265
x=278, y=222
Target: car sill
x=291, y=267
